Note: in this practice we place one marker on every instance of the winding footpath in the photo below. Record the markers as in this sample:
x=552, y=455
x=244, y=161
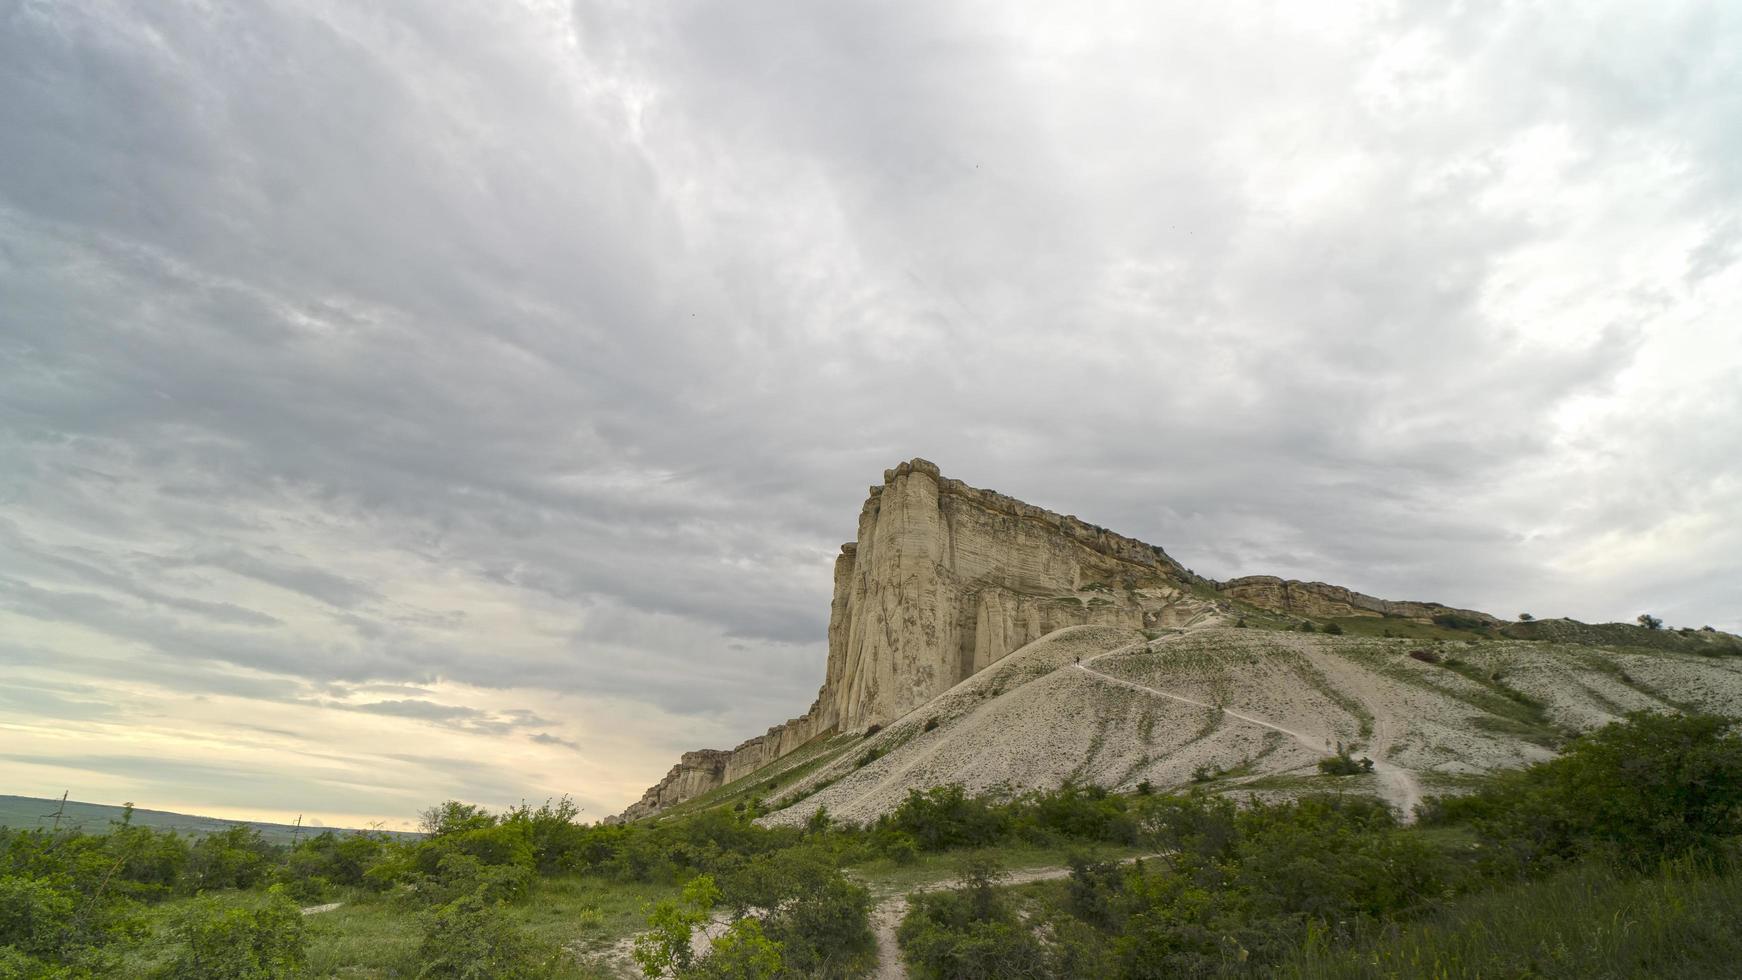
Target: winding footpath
x=1397, y=784
x=887, y=914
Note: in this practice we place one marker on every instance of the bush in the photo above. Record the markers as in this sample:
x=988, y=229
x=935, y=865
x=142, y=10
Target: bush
x=218, y=943
x=823, y=927
x=331, y=859
x=453, y=817
x=1425, y=656
x=1344, y=764
x=1077, y=813
x=1335, y=629
x=233, y=858
x=742, y=952
x=969, y=934
x=1458, y=621
x=664, y=949
x=1093, y=891
x=945, y=817
x=558, y=843
x=1650, y=787
x=472, y=939
x=1649, y=621
x=35, y=916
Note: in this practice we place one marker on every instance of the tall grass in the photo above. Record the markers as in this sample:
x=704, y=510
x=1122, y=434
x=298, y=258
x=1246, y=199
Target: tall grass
x=1589, y=922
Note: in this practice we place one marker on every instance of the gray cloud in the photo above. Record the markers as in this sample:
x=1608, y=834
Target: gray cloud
x=551, y=350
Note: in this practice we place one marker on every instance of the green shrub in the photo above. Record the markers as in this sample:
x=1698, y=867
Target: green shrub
x=968, y=934
x=1344, y=764
x=1076, y=813
x=218, y=943
x=454, y=817
x=340, y=860
x=235, y=858
x=471, y=938
x=742, y=952
x=558, y=842
x=946, y=816
x=35, y=916
x=822, y=925
x=1458, y=621
x=664, y=949
x=1648, y=787
x=1094, y=890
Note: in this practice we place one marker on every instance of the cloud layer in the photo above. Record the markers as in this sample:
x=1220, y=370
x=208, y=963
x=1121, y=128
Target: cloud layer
x=467, y=400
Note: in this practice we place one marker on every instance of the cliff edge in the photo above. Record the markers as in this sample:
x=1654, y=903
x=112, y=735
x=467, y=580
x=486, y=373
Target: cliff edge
x=943, y=581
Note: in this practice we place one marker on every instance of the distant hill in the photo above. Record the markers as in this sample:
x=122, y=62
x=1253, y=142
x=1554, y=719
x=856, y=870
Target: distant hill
x=29, y=812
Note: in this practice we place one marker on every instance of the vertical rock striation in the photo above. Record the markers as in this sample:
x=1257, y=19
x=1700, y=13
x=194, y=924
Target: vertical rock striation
x=943, y=580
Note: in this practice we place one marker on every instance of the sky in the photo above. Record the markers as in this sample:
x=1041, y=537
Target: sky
x=427, y=400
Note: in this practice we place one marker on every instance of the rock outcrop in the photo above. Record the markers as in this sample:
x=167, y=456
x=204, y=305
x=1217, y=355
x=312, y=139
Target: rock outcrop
x=1325, y=600
x=944, y=580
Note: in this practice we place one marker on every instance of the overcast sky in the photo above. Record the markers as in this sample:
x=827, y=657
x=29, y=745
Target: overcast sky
x=454, y=399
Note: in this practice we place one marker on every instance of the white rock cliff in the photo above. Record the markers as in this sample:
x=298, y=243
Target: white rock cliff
x=944, y=580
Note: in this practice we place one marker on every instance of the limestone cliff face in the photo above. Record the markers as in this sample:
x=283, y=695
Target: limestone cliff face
x=1321, y=599
x=943, y=580
x=695, y=774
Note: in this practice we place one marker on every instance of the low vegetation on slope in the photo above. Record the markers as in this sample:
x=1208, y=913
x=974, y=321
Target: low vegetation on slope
x=1617, y=859
x=1324, y=885
x=1248, y=712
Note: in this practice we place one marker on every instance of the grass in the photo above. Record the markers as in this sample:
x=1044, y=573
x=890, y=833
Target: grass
x=1588, y=922
x=1510, y=710
x=1504, y=709
x=1298, y=783
x=373, y=936
x=1404, y=629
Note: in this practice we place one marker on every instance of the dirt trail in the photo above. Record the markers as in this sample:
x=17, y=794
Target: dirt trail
x=1397, y=784
x=318, y=909
x=887, y=914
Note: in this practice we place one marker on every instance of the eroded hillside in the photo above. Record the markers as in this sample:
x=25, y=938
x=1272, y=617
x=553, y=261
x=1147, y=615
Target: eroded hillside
x=1246, y=712
x=956, y=607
